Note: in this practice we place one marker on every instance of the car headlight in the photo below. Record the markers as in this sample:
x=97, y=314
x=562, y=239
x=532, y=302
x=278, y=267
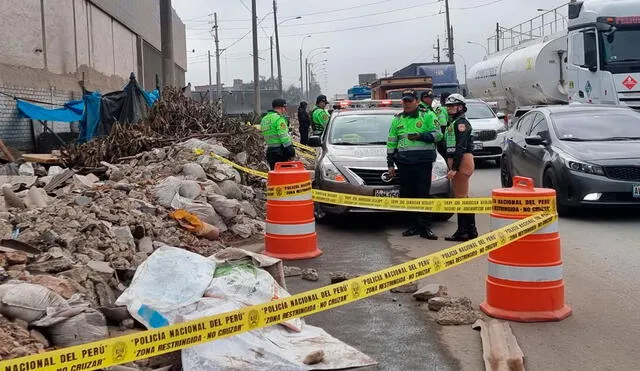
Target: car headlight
x=329, y=171
x=580, y=166
x=440, y=169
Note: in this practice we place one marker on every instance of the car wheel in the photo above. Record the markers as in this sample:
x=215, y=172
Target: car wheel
x=498, y=162
x=441, y=217
x=506, y=179
x=550, y=180
x=319, y=213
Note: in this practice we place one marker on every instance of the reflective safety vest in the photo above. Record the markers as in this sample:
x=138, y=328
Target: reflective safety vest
x=275, y=130
x=455, y=133
x=319, y=118
x=401, y=149
x=443, y=116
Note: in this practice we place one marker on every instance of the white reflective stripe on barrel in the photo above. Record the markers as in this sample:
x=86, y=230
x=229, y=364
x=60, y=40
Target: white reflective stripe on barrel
x=291, y=229
x=525, y=274
x=497, y=223
x=303, y=197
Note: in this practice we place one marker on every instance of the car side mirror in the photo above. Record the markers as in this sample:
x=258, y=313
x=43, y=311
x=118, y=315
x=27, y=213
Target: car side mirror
x=501, y=115
x=535, y=140
x=315, y=141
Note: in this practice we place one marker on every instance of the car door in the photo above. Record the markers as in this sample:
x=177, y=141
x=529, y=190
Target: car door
x=516, y=143
x=534, y=157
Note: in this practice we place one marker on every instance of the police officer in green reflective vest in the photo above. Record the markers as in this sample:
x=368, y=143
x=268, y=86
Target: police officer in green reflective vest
x=411, y=146
x=319, y=116
x=275, y=129
x=443, y=118
x=426, y=101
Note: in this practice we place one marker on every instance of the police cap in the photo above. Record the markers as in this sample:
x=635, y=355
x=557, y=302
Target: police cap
x=278, y=102
x=409, y=94
x=427, y=93
x=322, y=98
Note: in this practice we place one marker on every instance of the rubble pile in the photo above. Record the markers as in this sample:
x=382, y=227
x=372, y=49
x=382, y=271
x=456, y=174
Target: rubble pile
x=174, y=118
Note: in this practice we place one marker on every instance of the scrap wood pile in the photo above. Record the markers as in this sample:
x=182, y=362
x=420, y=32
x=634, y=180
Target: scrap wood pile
x=174, y=118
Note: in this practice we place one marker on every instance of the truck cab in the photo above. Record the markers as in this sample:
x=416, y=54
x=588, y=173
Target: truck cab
x=603, y=58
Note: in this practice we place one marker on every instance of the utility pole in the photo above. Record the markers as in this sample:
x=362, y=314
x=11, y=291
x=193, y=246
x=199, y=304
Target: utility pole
x=449, y=32
x=275, y=25
x=497, y=37
x=256, y=72
x=218, y=84
x=166, y=40
x=210, y=84
x=301, y=78
x=437, y=48
x=306, y=71
x=271, y=42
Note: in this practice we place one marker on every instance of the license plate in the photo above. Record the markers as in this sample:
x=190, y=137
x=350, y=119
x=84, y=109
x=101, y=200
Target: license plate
x=393, y=193
x=477, y=146
x=636, y=190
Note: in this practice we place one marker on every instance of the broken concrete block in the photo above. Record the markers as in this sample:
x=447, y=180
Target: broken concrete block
x=437, y=303
x=16, y=257
x=427, y=292
x=292, y=271
x=11, y=199
x=336, y=277
x=406, y=289
x=310, y=274
x=58, y=285
x=124, y=236
x=457, y=316
x=145, y=245
x=242, y=158
x=55, y=265
x=101, y=267
x=82, y=201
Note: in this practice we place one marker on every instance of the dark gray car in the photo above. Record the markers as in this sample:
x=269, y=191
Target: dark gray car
x=590, y=154
x=353, y=159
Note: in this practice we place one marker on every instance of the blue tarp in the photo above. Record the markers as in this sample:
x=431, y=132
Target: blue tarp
x=91, y=116
x=71, y=112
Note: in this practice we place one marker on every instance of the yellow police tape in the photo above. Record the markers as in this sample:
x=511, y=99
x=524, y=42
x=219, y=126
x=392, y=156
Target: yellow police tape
x=289, y=190
x=247, y=170
x=133, y=347
x=523, y=206
x=306, y=148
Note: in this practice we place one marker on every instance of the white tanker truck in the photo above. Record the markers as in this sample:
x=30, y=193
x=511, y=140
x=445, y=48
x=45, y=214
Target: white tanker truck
x=593, y=58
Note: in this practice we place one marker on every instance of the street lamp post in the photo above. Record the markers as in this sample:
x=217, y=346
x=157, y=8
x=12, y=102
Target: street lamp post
x=486, y=51
x=310, y=72
x=465, y=66
x=276, y=24
x=325, y=48
x=301, y=73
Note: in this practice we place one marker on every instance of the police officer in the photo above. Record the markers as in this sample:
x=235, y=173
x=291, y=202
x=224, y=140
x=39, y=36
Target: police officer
x=305, y=121
x=460, y=160
x=319, y=117
x=426, y=100
x=411, y=146
x=443, y=118
x=275, y=129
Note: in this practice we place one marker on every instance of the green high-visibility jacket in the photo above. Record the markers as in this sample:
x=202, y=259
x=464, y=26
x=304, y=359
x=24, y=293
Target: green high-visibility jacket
x=402, y=150
x=443, y=116
x=275, y=130
x=319, y=118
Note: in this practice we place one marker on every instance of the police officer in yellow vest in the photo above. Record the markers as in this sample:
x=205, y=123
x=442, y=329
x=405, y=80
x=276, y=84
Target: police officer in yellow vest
x=275, y=129
x=460, y=160
x=412, y=147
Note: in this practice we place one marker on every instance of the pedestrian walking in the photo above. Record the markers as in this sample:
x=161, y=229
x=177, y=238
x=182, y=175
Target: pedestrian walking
x=411, y=147
x=460, y=161
x=304, y=122
x=275, y=129
x=319, y=116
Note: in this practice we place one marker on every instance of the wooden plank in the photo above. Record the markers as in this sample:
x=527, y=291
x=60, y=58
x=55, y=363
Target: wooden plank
x=46, y=158
x=500, y=349
x=7, y=152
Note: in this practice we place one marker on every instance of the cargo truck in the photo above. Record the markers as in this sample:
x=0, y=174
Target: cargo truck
x=392, y=87
x=444, y=75
x=593, y=58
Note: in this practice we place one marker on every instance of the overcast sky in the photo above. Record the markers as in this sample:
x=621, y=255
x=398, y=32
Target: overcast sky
x=365, y=36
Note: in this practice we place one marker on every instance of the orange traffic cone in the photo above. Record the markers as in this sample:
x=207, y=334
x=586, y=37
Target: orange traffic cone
x=291, y=227
x=525, y=278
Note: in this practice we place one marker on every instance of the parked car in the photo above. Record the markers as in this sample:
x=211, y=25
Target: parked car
x=353, y=160
x=590, y=154
x=488, y=130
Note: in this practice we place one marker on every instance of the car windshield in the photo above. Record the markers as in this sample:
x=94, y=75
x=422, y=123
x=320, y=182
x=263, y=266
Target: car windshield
x=605, y=125
x=479, y=111
x=365, y=129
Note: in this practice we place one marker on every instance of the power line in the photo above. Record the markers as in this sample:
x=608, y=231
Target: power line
x=478, y=6
x=366, y=15
x=339, y=10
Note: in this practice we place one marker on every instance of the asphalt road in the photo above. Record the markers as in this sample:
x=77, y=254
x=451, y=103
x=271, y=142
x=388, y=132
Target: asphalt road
x=601, y=255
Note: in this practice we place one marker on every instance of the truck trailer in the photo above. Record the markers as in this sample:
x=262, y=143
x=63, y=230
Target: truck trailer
x=594, y=58
x=392, y=87
x=444, y=75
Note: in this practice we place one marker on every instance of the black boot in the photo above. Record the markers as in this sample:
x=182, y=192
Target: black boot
x=461, y=234
x=471, y=230
x=428, y=234
x=413, y=231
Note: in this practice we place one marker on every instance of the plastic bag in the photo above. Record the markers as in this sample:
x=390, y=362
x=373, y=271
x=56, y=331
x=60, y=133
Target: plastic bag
x=27, y=301
x=85, y=327
x=166, y=190
x=193, y=224
x=249, y=285
x=169, y=279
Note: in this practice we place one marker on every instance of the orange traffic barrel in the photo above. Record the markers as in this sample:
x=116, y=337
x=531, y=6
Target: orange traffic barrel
x=525, y=278
x=290, y=224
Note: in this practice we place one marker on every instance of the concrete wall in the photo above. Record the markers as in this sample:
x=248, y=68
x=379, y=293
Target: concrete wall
x=48, y=46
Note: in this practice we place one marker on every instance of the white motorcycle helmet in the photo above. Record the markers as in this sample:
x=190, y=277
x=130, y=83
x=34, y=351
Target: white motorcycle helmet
x=454, y=99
